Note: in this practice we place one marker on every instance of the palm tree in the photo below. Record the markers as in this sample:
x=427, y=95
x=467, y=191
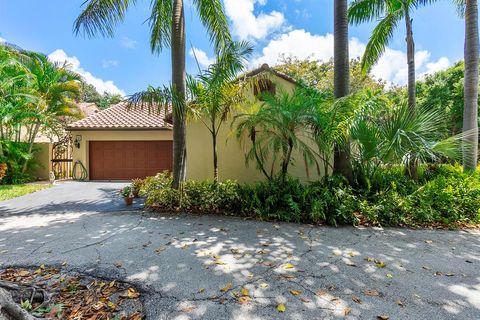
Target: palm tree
x=167, y=26
x=53, y=90
x=341, y=162
x=390, y=13
x=470, y=113
x=210, y=97
x=216, y=91
x=383, y=134
x=276, y=128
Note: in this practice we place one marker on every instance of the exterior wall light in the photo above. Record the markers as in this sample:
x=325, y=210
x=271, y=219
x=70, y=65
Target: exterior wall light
x=77, y=141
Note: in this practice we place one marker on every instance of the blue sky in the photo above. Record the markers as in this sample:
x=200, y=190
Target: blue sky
x=292, y=27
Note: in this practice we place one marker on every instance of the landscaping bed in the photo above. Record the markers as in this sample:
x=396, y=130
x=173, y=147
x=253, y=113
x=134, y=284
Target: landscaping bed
x=13, y=191
x=54, y=293
x=443, y=196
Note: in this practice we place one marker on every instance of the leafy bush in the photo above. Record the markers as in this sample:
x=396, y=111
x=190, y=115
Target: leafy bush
x=443, y=195
x=14, y=155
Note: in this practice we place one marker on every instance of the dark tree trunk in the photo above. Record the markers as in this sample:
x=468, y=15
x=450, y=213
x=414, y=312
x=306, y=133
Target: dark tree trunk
x=215, y=155
x=178, y=82
x=342, y=164
x=410, y=61
x=470, y=113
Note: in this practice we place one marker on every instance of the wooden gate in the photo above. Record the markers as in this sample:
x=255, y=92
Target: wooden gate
x=62, y=158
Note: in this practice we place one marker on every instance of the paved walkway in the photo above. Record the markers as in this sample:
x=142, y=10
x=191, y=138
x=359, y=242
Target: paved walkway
x=182, y=262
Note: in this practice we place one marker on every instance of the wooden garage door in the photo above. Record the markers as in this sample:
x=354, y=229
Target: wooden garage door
x=125, y=160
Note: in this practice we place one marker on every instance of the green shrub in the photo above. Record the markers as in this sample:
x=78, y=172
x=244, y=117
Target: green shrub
x=443, y=195
x=447, y=199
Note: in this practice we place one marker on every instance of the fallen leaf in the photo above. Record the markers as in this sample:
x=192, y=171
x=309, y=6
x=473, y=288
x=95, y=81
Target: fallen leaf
x=380, y=264
x=389, y=275
x=245, y=292
x=263, y=285
x=24, y=273
x=305, y=300
x=295, y=292
x=289, y=266
x=118, y=264
x=321, y=293
x=244, y=300
x=429, y=241
x=281, y=307
x=400, y=303
x=426, y=268
x=132, y=293
x=201, y=290
x=160, y=249
x=356, y=299
x=227, y=287
x=188, y=309
x=371, y=293
x=346, y=311
x=383, y=317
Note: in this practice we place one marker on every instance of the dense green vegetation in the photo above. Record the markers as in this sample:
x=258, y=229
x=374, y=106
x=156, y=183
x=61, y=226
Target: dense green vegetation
x=36, y=96
x=442, y=196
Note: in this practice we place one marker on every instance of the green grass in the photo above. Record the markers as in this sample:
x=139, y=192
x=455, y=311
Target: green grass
x=13, y=191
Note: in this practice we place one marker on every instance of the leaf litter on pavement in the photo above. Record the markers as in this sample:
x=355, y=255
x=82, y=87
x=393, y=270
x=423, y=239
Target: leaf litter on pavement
x=74, y=296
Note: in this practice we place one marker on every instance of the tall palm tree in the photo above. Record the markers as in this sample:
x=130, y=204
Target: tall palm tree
x=342, y=164
x=390, y=13
x=167, y=26
x=470, y=113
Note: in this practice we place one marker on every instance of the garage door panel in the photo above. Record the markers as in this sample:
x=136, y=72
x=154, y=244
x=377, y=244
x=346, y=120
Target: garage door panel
x=125, y=160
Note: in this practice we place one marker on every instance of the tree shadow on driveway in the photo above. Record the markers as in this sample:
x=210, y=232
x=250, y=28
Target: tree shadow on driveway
x=196, y=266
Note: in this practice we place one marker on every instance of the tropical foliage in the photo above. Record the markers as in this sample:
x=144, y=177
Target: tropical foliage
x=36, y=96
x=167, y=30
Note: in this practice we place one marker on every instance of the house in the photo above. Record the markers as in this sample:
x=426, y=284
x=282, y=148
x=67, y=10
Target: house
x=231, y=152
x=121, y=144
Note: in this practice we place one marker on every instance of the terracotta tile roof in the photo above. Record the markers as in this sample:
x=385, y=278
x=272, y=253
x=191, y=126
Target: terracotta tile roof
x=266, y=68
x=120, y=117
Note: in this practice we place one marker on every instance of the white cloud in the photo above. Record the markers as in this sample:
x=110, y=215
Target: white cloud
x=109, y=63
x=392, y=66
x=248, y=26
x=74, y=64
x=203, y=59
x=2, y=40
x=126, y=42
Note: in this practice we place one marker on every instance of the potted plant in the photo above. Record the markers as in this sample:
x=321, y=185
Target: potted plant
x=127, y=195
x=136, y=186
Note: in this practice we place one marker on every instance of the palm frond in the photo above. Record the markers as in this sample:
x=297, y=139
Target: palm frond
x=101, y=17
x=361, y=11
x=160, y=22
x=379, y=40
x=212, y=14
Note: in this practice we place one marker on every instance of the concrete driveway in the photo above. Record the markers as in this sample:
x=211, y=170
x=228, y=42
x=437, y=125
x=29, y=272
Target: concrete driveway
x=192, y=267
x=70, y=196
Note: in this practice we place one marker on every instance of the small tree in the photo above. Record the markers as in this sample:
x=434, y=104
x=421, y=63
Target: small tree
x=276, y=128
x=216, y=91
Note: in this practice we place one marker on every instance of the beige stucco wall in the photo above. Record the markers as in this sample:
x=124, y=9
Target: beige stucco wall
x=42, y=158
x=114, y=135
x=231, y=153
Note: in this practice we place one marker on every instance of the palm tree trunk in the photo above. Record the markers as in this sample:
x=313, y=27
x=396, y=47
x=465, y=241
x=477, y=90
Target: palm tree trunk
x=31, y=142
x=286, y=160
x=215, y=155
x=342, y=164
x=470, y=113
x=410, y=60
x=178, y=82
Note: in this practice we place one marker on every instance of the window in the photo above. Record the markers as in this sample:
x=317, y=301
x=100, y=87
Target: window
x=263, y=87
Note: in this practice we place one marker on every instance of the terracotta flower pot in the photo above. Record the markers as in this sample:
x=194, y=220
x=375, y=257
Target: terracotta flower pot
x=128, y=201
